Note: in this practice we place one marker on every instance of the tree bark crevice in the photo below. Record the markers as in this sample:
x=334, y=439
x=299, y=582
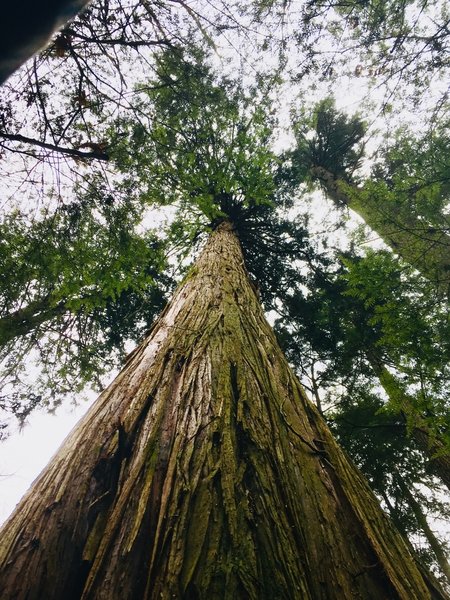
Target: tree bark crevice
x=196, y=483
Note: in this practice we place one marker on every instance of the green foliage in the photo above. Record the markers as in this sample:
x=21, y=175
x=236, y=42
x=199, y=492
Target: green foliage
x=90, y=288
x=205, y=144
x=378, y=442
x=413, y=328
x=370, y=317
x=326, y=138
x=396, y=48
x=412, y=173
x=403, y=307
x=375, y=18
x=71, y=256
x=369, y=339
x=85, y=276
x=76, y=285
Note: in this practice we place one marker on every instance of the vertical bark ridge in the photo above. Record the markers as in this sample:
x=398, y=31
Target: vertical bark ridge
x=204, y=472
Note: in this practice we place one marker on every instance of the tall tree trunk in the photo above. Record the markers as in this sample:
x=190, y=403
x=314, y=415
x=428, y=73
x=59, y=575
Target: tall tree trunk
x=433, y=448
x=203, y=472
x=423, y=247
x=422, y=522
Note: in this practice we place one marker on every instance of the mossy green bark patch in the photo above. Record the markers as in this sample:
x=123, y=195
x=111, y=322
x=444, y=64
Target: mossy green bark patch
x=228, y=483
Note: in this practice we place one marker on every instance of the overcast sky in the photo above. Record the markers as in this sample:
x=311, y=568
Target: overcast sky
x=25, y=453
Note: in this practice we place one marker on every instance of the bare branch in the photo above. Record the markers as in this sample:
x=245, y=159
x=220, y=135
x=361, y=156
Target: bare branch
x=97, y=152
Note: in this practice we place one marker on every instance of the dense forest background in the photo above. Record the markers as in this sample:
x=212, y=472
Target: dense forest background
x=321, y=130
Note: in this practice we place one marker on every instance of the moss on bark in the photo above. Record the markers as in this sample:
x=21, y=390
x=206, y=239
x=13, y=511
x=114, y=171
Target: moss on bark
x=204, y=472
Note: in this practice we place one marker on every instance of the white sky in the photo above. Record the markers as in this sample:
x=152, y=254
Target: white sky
x=24, y=454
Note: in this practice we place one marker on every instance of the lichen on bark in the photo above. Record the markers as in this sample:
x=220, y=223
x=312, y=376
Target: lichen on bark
x=204, y=472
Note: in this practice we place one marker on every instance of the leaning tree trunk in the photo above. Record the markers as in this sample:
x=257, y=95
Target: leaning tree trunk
x=433, y=448
x=26, y=26
x=426, y=248
x=204, y=472
x=422, y=522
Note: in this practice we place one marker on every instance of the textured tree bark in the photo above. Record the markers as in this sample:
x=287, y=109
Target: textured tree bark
x=426, y=249
x=203, y=472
